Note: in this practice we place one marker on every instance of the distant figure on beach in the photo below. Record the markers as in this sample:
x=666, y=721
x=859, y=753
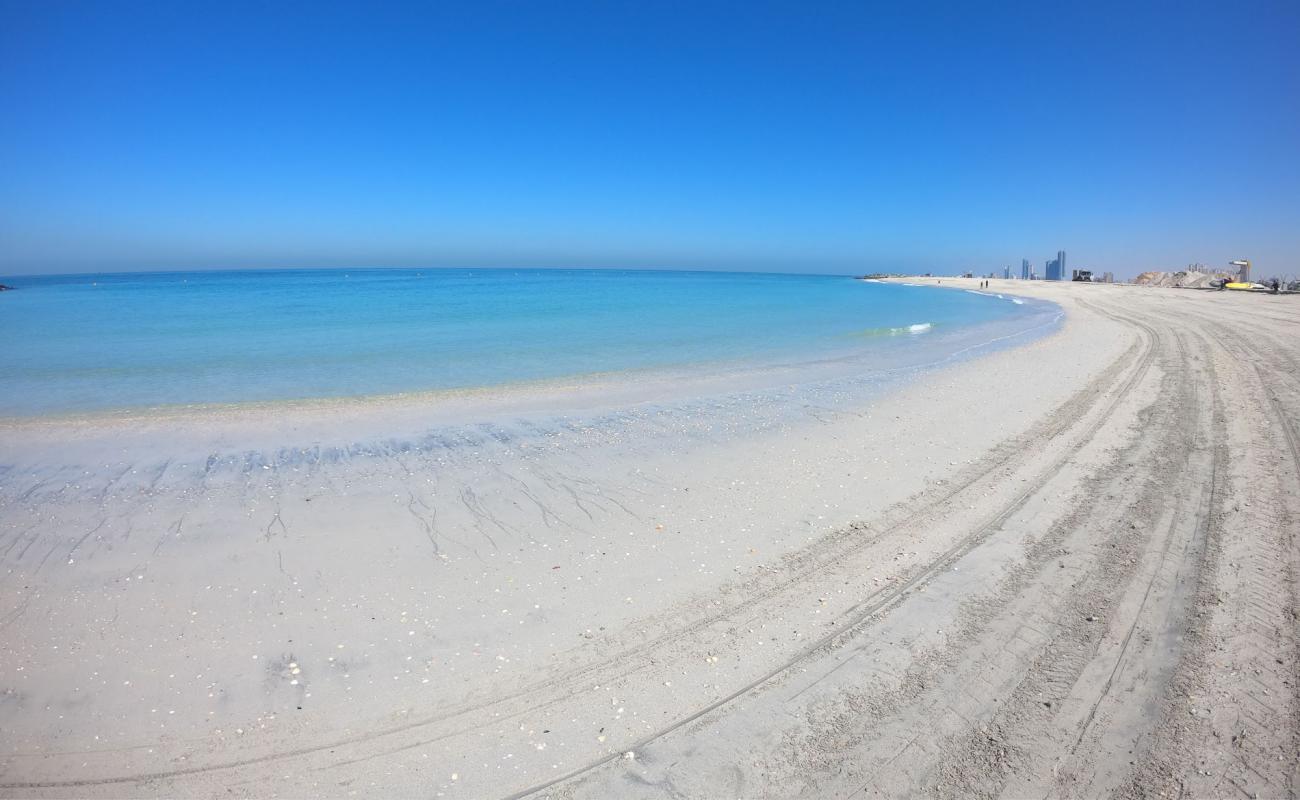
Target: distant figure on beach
x=1275, y=286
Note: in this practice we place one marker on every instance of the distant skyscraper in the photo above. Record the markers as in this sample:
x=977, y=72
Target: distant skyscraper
x=1024, y=269
x=1006, y=273
x=1055, y=269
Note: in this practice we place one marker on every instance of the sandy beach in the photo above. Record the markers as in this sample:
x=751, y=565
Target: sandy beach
x=1067, y=567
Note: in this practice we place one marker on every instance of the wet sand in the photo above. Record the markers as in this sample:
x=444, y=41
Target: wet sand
x=1064, y=568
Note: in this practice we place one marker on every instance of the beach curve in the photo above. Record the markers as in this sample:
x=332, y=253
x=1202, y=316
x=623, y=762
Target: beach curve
x=970, y=525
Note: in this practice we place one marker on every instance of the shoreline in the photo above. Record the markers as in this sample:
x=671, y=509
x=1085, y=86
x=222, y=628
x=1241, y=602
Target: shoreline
x=413, y=413
x=711, y=587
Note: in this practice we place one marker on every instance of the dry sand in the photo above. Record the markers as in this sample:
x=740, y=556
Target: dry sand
x=1063, y=569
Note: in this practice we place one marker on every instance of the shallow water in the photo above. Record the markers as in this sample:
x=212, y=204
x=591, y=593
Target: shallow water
x=91, y=343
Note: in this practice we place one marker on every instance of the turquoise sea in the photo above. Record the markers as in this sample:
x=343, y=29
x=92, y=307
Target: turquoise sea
x=101, y=342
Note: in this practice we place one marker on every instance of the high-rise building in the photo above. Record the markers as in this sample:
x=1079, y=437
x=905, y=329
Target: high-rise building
x=1006, y=273
x=1024, y=269
x=1055, y=269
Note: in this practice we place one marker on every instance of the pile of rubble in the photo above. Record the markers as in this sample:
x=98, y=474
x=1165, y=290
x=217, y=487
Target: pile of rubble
x=1186, y=279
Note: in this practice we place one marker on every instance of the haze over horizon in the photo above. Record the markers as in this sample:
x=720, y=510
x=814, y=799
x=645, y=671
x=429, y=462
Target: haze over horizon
x=932, y=137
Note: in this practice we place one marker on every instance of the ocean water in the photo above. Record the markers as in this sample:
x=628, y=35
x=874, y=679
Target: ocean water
x=103, y=342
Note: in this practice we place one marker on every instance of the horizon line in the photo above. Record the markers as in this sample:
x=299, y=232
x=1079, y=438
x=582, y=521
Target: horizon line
x=167, y=270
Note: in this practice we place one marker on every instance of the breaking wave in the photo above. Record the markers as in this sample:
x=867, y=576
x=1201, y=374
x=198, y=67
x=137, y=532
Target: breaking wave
x=920, y=327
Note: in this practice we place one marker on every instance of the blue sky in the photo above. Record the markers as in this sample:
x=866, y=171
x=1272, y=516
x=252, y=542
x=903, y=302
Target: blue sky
x=836, y=137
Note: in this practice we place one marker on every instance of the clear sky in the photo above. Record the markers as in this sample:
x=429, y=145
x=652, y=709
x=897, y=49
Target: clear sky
x=834, y=137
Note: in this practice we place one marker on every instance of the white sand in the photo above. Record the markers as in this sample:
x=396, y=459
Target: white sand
x=892, y=596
